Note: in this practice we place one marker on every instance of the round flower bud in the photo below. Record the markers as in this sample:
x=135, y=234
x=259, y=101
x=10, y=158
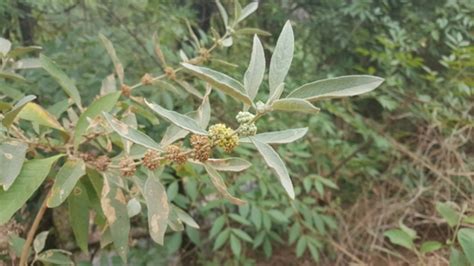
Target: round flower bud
x=173, y=153
x=127, y=167
x=244, y=117
x=151, y=160
x=126, y=90
x=223, y=136
x=201, y=147
x=102, y=163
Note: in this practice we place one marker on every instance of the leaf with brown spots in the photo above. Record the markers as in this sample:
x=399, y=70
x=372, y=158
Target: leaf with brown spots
x=12, y=156
x=158, y=207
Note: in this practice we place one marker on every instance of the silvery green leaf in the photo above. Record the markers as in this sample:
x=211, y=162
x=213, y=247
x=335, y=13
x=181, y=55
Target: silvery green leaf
x=220, y=185
x=12, y=156
x=27, y=63
x=130, y=133
x=113, y=55
x=278, y=137
x=247, y=11
x=274, y=161
x=294, y=105
x=178, y=119
x=276, y=94
x=11, y=75
x=133, y=207
x=158, y=207
x=223, y=12
x=64, y=81
x=254, y=75
x=337, y=87
x=281, y=58
x=10, y=116
x=220, y=82
x=5, y=46
x=229, y=164
x=40, y=240
x=227, y=42
x=252, y=31
x=65, y=181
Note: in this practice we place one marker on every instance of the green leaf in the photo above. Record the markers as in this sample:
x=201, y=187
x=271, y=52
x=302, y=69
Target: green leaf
x=254, y=75
x=218, y=182
x=223, y=12
x=28, y=181
x=217, y=226
x=16, y=52
x=130, y=133
x=229, y=164
x=78, y=206
x=456, y=258
x=186, y=218
x=252, y=31
x=430, y=246
x=35, y=113
x=158, y=207
x=65, y=181
x=398, y=237
x=410, y=232
x=12, y=76
x=64, y=81
x=239, y=219
x=281, y=58
x=242, y=235
x=133, y=207
x=12, y=156
x=256, y=217
x=466, y=239
x=56, y=257
x=114, y=206
x=103, y=104
x=295, y=232
x=278, y=137
x=278, y=216
x=5, y=46
x=10, y=116
x=274, y=161
x=448, y=213
x=294, y=105
x=220, y=82
x=301, y=246
x=235, y=245
x=221, y=239
x=337, y=87
x=40, y=240
x=113, y=55
x=178, y=119
x=246, y=11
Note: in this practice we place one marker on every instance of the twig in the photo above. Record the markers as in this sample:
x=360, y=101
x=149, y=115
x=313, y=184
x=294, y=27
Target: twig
x=31, y=234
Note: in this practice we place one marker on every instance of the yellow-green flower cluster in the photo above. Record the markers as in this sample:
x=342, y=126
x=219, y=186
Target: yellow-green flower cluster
x=247, y=126
x=223, y=136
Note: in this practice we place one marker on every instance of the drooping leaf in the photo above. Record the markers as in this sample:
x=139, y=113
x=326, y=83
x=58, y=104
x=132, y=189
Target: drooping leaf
x=281, y=58
x=113, y=55
x=65, y=181
x=114, y=206
x=28, y=181
x=12, y=156
x=78, y=206
x=178, y=119
x=398, y=237
x=466, y=239
x=254, y=75
x=279, y=137
x=337, y=87
x=158, y=208
x=130, y=133
x=218, y=182
x=223, y=13
x=229, y=164
x=64, y=81
x=220, y=82
x=294, y=105
x=247, y=11
x=10, y=116
x=448, y=213
x=274, y=161
x=35, y=113
x=103, y=104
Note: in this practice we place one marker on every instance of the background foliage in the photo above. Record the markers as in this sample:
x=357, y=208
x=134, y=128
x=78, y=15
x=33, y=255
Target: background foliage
x=367, y=164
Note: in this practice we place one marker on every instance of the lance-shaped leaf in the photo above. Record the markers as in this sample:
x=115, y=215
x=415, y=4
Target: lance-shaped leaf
x=78, y=203
x=229, y=164
x=278, y=137
x=185, y=217
x=18, y=51
x=35, y=113
x=12, y=156
x=114, y=206
x=55, y=257
x=10, y=116
x=158, y=207
x=178, y=119
x=12, y=76
x=281, y=58
x=223, y=12
x=65, y=181
x=28, y=181
x=220, y=82
x=64, y=81
x=219, y=183
x=254, y=75
x=247, y=11
x=103, y=104
x=273, y=160
x=294, y=105
x=130, y=133
x=113, y=55
x=466, y=239
x=337, y=87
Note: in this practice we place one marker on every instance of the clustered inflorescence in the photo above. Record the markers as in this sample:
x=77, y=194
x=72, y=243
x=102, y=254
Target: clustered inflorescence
x=201, y=147
x=247, y=124
x=223, y=136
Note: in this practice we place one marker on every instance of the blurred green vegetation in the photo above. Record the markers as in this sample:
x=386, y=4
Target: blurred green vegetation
x=392, y=154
